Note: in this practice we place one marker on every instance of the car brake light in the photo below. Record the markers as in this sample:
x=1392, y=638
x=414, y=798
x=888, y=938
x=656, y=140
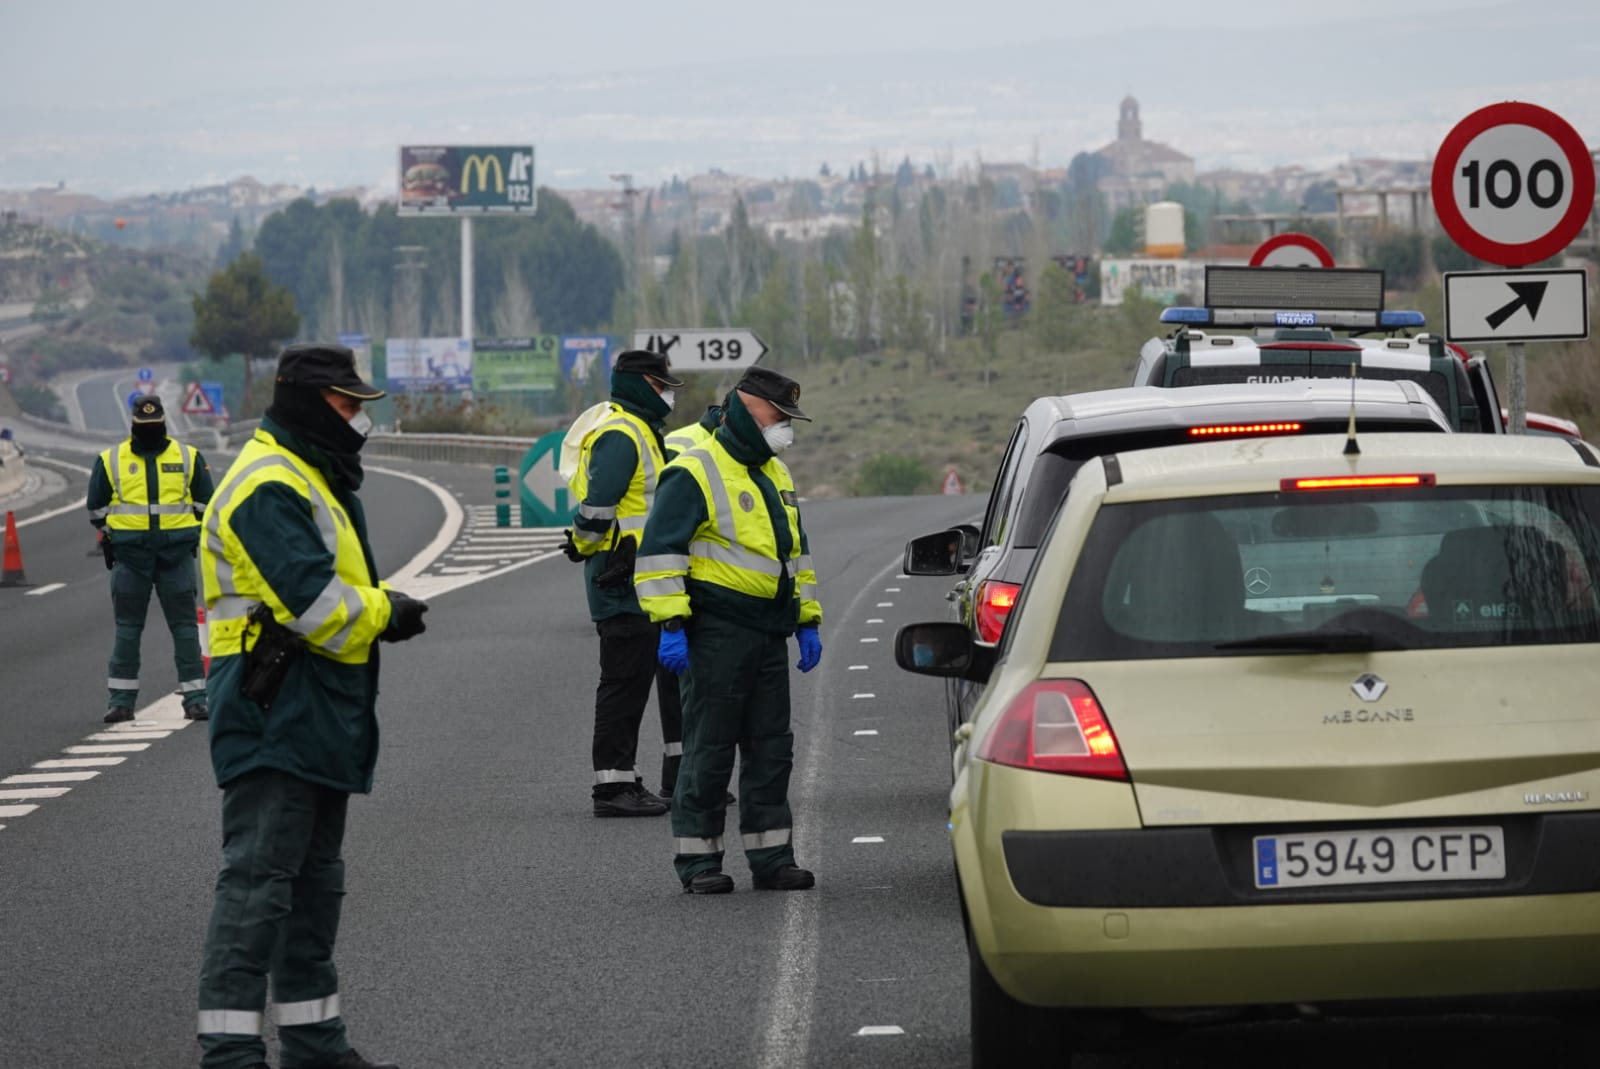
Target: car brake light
x=995, y=600
x=1056, y=725
x=1223, y=430
x=1357, y=482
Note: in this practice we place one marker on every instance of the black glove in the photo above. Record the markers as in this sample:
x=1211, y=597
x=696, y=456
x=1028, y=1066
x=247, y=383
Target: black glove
x=405, y=618
x=109, y=553
x=570, y=548
x=618, y=571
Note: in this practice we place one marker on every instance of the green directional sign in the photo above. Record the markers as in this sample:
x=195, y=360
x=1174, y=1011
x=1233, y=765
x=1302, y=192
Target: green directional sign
x=546, y=501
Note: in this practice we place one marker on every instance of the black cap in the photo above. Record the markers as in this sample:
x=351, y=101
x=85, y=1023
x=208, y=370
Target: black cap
x=781, y=390
x=323, y=364
x=650, y=365
x=147, y=409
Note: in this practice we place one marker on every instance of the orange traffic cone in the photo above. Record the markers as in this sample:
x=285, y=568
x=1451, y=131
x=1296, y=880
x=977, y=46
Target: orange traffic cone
x=11, y=567
x=205, y=638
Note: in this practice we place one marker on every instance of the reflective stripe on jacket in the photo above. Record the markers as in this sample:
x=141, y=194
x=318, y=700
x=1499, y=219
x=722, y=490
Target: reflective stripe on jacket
x=130, y=507
x=597, y=520
x=736, y=547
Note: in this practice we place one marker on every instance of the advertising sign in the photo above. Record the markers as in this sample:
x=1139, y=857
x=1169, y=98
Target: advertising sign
x=584, y=355
x=501, y=365
x=452, y=179
x=361, y=345
x=1159, y=280
x=419, y=365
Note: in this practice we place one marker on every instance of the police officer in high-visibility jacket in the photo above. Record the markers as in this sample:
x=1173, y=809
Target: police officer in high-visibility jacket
x=725, y=569
x=615, y=483
x=686, y=438
x=296, y=614
x=145, y=498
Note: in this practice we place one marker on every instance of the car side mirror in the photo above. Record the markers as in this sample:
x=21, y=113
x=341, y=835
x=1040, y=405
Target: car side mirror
x=943, y=649
x=935, y=554
x=971, y=541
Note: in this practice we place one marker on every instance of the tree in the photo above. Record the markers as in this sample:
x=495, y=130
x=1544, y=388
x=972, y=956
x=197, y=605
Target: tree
x=1399, y=254
x=242, y=311
x=1125, y=236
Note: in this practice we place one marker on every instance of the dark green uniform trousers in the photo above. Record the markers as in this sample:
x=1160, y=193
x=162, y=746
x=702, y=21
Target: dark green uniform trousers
x=735, y=696
x=173, y=582
x=276, y=911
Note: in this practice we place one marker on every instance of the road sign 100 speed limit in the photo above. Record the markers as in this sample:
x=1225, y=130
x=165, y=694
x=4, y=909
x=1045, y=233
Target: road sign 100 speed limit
x=1513, y=184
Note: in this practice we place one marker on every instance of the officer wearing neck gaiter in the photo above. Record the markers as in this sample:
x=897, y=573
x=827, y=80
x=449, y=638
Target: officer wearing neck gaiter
x=145, y=498
x=296, y=616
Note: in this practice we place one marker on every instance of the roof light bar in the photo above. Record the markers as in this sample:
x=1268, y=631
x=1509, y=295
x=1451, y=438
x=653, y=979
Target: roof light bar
x=1339, y=289
x=1180, y=314
x=1401, y=320
x=1223, y=430
x=1358, y=482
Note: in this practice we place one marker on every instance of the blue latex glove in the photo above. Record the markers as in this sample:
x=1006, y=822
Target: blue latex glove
x=810, y=648
x=673, y=651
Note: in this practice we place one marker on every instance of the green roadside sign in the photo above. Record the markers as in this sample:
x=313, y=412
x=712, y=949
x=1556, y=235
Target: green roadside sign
x=546, y=501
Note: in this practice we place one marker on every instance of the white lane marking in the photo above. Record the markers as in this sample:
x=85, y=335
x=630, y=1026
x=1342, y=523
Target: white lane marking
x=881, y=1030
x=16, y=810
x=859, y=667
x=47, y=588
x=118, y=736
x=867, y=731
x=902, y=575
x=507, y=556
x=862, y=694
x=789, y=1004
x=53, y=513
x=22, y=794
x=79, y=468
x=79, y=762
x=867, y=839
x=127, y=747
x=878, y=980
x=885, y=604
x=49, y=777
x=891, y=590
x=875, y=620
x=869, y=640
x=453, y=519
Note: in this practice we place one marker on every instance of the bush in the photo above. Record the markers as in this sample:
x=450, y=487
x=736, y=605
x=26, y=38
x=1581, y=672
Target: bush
x=40, y=401
x=894, y=475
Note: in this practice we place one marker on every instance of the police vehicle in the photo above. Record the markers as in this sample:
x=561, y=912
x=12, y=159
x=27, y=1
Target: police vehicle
x=1313, y=323
x=1056, y=435
x=1222, y=766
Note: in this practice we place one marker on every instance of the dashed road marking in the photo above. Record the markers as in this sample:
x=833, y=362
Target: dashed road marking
x=23, y=794
x=47, y=588
x=862, y=694
x=875, y=620
x=869, y=640
x=125, y=747
x=867, y=731
x=16, y=810
x=881, y=1030
x=63, y=776
x=119, y=736
x=79, y=762
x=891, y=590
x=885, y=604
x=867, y=839
x=859, y=667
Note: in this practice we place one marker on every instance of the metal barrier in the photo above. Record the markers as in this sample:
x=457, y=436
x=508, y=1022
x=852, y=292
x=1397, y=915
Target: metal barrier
x=469, y=449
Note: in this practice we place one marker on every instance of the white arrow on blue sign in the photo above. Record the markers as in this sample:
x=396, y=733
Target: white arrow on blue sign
x=146, y=375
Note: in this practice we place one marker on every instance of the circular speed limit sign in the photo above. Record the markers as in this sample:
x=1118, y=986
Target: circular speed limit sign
x=1513, y=184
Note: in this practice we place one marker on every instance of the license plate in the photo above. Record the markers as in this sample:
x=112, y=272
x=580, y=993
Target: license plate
x=1395, y=855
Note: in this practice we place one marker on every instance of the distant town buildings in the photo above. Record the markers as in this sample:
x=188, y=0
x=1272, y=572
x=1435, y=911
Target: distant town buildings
x=1141, y=170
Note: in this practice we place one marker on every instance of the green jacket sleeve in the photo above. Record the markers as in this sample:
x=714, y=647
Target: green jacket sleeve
x=661, y=571
x=99, y=493
x=200, y=485
x=611, y=461
x=275, y=528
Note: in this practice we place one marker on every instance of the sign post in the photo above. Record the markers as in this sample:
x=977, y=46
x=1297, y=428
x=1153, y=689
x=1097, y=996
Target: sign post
x=708, y=349
x=1513, y=184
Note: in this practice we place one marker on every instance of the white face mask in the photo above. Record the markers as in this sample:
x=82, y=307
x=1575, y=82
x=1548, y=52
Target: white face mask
x=361, y=423
x=670, y=397
x=778, y=436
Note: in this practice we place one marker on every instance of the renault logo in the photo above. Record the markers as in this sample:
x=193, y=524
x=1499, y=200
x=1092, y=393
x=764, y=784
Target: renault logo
x=1257, y=581
x=1368, y=687
x=483, y=164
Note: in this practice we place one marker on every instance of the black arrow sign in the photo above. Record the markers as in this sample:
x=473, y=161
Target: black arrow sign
x=1530, y=295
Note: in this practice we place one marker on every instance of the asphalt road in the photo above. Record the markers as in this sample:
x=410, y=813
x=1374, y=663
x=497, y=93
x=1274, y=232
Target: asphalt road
x=491, y=920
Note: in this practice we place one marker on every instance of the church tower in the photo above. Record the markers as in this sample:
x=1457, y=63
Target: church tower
x=1128, y=126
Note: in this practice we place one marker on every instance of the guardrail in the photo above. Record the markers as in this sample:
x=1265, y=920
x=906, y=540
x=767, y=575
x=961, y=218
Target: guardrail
x=470, y=449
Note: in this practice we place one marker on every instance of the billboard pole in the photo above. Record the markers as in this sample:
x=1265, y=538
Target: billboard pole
x=466, y=277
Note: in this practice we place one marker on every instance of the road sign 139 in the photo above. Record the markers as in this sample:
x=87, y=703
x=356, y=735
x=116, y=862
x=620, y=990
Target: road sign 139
x=729, y=349
x=1500, y=195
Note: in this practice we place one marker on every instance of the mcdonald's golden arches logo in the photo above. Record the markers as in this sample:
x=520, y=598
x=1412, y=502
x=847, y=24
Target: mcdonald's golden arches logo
x=482, y=164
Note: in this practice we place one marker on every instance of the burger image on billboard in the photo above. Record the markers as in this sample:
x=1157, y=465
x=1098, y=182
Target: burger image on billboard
x=425, y=181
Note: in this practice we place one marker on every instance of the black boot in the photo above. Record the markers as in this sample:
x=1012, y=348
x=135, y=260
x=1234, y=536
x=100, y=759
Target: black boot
x=631, y=801
x=196, y=710
x=714, y=882
x=351, y=1060
x=787, y=878
x=117, y=714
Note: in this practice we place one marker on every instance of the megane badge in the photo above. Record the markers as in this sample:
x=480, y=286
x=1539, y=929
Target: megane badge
x=1368, y=687
x=1257, y=581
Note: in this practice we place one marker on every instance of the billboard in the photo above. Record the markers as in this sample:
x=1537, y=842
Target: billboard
x=419, y=365
x=455, y=179
x=1161, y=281
x=361, y=346
x=503, y=365
x=583, y=354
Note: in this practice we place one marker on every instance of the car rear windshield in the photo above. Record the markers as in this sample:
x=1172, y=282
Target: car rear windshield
x=1052, y=473
x=1280, y=370
x=1425, y=567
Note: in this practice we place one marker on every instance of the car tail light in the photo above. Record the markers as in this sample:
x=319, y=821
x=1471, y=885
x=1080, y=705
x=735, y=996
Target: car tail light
x=1225, y=430
x=995, y=600
x=1056, y=725
x=1357, y=482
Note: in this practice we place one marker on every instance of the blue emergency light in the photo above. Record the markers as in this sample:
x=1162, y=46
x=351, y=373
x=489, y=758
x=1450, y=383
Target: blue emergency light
x=1180, y=314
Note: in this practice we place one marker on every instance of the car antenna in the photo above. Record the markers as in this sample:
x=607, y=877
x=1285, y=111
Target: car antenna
x=1351, y=447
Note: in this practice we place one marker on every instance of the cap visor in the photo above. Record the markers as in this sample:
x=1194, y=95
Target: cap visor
x=791, y=411
x=361, y=391
x=150, y=419
x=665, y=380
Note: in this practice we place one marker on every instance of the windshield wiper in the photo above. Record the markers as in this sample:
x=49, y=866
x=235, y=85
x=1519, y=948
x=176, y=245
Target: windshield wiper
x=1318, y=642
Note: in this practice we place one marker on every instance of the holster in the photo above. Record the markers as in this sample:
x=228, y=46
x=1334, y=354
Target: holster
x=619, y=569
x=268, y=661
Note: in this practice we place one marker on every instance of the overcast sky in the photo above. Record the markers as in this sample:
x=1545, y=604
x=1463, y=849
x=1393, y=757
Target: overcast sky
x=117, y=95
